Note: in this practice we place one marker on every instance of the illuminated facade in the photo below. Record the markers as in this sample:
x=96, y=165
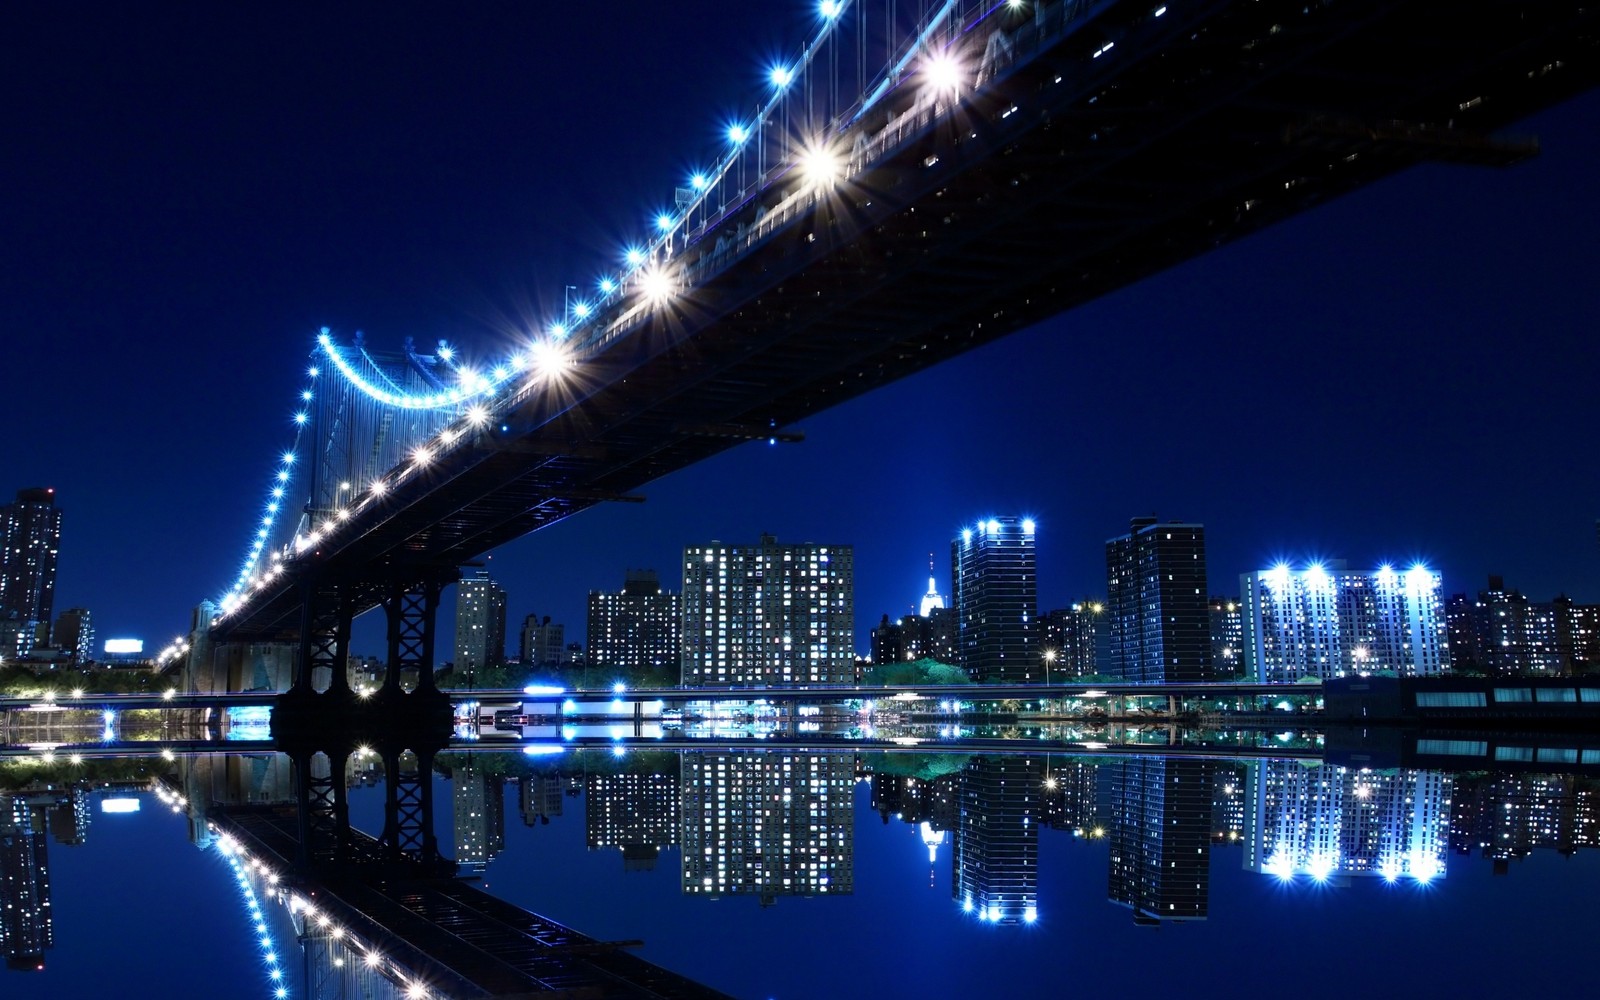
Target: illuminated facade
x=996, y=857
x=1329, y=822
x=1160, y=830
x=74, y=633
x=1326, y=622
x=768, y=824
x=1156, y=607
x=768, y=614
x=480, y=814
x=30, y=539
x=26, y=926
x=542, y=642
x=1503, y=633
x=1227, y=636
x=993, y=566
x=480, y=624
x=1069, y=639
x=637, y=630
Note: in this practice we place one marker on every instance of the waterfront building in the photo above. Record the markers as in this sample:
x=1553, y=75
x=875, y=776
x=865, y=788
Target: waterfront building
x=1069, y=640
x=636, y=630
x=1071, y=797
x=74, y=634
x=480, y=625
x=1329, y=822
x=30, y=541
x=1326, y=621
x=634, y=813
x=993, y=566
x=1160, y=831
x=768, y=613
x=768, y=824
x=1504, y=817
x=1502, y=633
x=995, y=863
x=1230, y=791
x=543, y=642
x=1227, y=636
x=1157, y=614
x=888, y=642
x=540, y=797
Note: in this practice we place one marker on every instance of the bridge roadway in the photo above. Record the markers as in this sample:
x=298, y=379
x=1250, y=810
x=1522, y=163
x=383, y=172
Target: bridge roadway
x=456, y=937
x=1072, y=167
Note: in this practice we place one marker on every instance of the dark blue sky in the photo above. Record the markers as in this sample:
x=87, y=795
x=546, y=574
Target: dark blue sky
x=188, y=194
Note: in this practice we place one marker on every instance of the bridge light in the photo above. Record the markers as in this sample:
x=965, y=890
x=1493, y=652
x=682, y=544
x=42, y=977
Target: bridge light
x=306, y=395
x=634, y=256
x=781, y=76
x=664, y=222
x=288, y=458
x=942, y=72
x=607, y=285
x=698, y=182
x=422, y=456
x=446, y=352
x=656, y=284
x=301, y=417
x=558, y=329
x=581, y=310
x=550, y=357
x=377, y=487
x=737, y=134
x=821, y=166
x=478, y=416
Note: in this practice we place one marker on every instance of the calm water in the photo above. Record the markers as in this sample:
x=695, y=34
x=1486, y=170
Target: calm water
x=792, y=875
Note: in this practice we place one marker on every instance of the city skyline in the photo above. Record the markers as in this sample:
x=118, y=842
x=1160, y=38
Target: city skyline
x=1448, y=298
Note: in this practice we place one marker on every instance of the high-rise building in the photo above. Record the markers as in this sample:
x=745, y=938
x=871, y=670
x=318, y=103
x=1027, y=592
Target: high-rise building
x=1329, y=822
x=27, y=929
x=993, y=567
x=540, y=797
x=888, y=642
x=768, y=614
x=30, y=538
x=74, y=633
x=1158, y=619
x=1161, y=838
x=480, y=625
x=1227, y=636
x=768, y=824
x=544, y=643
x=1071, y=796
x=633, y=812
x=1328, y=621
x=995, y=865
x=1069, y=639
x=637, y=630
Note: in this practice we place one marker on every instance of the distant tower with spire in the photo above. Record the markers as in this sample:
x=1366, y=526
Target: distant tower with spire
x=931, y=599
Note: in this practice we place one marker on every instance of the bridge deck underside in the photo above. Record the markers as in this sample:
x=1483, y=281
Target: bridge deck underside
x=1065, y=177
x=462, y=935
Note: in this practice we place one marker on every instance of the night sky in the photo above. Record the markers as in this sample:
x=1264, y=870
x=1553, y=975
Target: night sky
x=187, y=193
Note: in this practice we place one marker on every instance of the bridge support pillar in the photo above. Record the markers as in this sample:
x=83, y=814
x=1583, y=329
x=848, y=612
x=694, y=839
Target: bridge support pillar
x=325, y=614
x=408, y=807
x=413, y=608
x=322, y=807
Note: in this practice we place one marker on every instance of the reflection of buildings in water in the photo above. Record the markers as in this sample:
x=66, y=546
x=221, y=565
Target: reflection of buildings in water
x=931, y=804
x=480, y=814
x=1070, y=799
x=1505, y=817
x=995, y=863
x=210, y=780
x=26, y=926
x=1230, y=790
x=539, y=798
x=1328, y=822
x=637, y=813
x=768, y=824
x=1160, y=828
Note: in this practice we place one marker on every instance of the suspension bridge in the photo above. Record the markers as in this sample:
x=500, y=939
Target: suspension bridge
x=896, y=198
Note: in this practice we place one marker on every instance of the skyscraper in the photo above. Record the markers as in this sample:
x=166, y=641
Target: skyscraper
x=74, y=632
x=1068, y=639
x=1156, y=602
x=30, y=537
x=768, y=614
x=637, y=630
x=992, y=565
x=1328, y=621
x=480, y=625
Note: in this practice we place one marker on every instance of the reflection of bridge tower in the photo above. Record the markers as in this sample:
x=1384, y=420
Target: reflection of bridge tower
x=996, y=857
x=1161, y=838
x=1329, y=822
x=768, y=824
x=26, y=926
